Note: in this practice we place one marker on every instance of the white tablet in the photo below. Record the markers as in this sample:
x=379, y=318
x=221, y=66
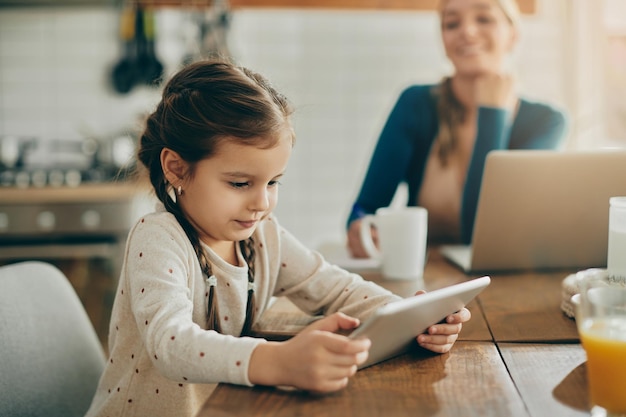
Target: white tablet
x=393, y=327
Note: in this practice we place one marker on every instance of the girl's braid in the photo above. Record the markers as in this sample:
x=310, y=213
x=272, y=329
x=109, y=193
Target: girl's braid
x=247, y=249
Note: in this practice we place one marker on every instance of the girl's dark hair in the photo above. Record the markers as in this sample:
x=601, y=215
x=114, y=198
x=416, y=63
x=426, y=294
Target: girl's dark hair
x=205, y=103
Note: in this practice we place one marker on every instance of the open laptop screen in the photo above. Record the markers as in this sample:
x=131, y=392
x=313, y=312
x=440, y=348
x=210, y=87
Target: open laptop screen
x=544, y=209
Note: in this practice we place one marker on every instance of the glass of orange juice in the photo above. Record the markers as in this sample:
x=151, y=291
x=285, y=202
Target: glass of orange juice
x=601, y=323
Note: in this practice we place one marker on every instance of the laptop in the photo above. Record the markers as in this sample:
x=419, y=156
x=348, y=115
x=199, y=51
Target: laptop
x=541, y=209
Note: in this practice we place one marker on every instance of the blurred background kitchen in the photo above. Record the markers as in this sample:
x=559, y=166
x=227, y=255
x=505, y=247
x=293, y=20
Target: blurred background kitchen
x=71, y=106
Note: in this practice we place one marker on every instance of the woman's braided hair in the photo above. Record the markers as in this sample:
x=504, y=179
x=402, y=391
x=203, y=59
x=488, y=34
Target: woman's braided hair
x=206, y=103
x=451, y=115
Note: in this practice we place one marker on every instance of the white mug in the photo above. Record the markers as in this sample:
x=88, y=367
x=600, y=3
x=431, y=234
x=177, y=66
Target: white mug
x=402, y=234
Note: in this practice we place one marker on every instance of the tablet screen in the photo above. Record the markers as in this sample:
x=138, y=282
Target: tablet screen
x=393, y=327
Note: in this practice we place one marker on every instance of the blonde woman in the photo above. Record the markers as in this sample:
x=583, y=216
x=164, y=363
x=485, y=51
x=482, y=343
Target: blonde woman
x=437, y=137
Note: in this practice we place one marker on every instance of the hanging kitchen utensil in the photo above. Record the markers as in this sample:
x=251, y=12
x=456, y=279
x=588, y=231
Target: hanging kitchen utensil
x=124, y=74
x=191, y=33
x=214, y=30
x=148, y=65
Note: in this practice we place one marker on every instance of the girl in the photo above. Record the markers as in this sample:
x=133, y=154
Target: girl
x=203, y=267
x=437, y=136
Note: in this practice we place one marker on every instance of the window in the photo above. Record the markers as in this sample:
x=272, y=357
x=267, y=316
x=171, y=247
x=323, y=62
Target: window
x=614, y=100
x=597, y=45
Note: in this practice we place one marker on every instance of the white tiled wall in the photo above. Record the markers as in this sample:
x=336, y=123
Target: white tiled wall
x=343, y=71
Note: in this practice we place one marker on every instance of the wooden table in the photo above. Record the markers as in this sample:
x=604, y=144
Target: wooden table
x=518, y=356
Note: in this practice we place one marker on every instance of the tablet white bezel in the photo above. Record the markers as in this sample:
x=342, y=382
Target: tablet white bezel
x=393, y=327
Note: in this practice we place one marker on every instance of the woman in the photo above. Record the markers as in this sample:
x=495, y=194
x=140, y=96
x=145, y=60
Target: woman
x=437, y=137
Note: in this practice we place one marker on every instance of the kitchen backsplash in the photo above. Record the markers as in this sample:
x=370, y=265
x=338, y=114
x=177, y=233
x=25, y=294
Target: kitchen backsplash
x=343, y=71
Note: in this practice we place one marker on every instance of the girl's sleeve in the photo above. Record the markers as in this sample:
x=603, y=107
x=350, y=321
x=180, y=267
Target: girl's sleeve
x=537, y=127
x=319, y=288
x=391, y=157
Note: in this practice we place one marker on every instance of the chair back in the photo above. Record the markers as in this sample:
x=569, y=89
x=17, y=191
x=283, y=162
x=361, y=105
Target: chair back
x=50, y=356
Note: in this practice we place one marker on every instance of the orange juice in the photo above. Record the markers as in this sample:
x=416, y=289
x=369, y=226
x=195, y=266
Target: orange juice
x=604, y=340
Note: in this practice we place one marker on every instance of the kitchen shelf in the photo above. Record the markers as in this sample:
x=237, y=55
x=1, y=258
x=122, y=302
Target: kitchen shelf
x=87, y=193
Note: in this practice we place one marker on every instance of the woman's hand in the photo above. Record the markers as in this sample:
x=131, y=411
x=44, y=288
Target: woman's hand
x=316, y=359
x=441, y=337
x=495, y=90
x=355, y=247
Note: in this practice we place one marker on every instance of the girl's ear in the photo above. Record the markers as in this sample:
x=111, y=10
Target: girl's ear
x=174, y=167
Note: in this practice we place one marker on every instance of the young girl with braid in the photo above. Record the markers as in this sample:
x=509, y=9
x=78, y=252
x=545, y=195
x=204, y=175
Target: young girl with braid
x=201, y=268
x=437, y=136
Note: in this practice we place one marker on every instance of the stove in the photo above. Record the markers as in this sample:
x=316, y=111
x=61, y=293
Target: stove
x=31, y=162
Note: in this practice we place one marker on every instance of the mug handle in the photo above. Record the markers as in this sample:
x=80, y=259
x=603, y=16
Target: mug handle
x=366, y=236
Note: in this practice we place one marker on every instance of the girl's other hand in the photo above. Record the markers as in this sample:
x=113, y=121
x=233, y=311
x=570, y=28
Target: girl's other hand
x=355, y=247
x=316, y=359
x=441, y=337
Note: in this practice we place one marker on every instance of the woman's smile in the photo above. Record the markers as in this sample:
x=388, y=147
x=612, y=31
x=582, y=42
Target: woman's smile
x=470, y=50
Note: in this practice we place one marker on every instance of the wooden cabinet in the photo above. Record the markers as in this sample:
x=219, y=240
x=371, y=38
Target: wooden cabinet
x=526, y=6
x=340, y=4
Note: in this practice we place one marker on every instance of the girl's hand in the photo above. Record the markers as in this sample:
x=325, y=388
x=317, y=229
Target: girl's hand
x=441, y=337
x=495, y=90
x=355, y=247
x=316, y=359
